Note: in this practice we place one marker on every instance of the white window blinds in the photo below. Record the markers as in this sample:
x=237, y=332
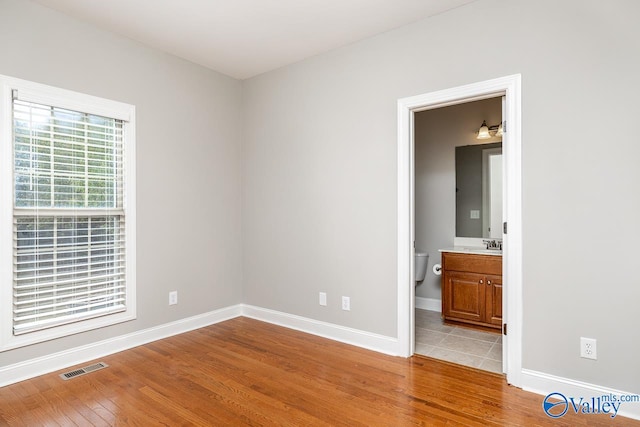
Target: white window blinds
x=69, y=221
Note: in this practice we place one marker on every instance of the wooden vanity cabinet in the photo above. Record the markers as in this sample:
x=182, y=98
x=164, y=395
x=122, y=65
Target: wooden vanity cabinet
x=472, y=288
x=493, y=301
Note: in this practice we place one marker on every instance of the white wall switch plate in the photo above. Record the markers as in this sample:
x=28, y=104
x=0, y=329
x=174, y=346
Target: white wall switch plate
x=323, y=298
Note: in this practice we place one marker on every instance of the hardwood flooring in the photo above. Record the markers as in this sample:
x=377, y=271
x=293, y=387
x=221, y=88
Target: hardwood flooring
x=246, y=372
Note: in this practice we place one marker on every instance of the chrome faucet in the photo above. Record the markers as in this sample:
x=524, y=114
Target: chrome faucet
x=493, y=244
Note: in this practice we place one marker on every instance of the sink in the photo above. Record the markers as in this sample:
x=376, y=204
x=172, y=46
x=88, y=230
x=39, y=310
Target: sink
x=479, y=250
x=486, y=251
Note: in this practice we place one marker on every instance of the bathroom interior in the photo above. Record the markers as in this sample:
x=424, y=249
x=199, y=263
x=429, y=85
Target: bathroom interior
x=458, y=233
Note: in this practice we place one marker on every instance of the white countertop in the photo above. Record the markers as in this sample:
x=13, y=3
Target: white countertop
x=476, y=250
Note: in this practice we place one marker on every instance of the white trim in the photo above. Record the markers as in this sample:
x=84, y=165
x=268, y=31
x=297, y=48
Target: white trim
x=42, y=365
x=512, y=241
x=430, y=304
x=512, y=269
x=63, y=98
x=368, y=340
x=543, y=384
x=487, y=217
x=536, y=382
x=6, y=213
x=49, y=95
x=406, y=230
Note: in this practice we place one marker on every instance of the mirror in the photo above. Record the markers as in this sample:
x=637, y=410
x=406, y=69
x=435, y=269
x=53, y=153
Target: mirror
x=479, y=191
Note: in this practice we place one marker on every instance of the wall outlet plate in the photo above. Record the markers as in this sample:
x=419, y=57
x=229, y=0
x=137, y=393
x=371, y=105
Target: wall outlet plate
x=588, y=348
x=173, y=297
x=346, y=303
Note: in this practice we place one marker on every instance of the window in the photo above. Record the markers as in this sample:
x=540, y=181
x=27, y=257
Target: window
x=68, y=215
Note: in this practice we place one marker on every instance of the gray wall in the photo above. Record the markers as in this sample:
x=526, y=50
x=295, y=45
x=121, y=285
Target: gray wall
x=437, y=134
x=188, y=160
x=319, y=172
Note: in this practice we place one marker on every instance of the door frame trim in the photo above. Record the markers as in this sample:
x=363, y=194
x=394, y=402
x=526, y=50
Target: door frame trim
x=510, y=87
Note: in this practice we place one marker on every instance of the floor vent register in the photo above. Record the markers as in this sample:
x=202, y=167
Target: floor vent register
x=82, y=371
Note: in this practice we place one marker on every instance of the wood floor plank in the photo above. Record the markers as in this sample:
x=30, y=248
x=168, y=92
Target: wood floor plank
x=246, y=372
x=239, y=394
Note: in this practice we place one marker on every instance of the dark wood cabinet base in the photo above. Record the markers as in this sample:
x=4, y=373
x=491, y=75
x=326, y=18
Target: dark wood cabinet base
x=472, y=289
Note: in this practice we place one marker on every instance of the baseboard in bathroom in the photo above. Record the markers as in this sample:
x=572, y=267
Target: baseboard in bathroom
x=430, y=304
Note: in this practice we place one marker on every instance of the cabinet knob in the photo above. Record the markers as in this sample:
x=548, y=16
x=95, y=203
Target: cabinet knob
x=488, y=282
x=481, y=281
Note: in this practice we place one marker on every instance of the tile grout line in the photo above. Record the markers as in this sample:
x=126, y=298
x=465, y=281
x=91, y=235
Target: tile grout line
x=480, y=360
x=460, y=336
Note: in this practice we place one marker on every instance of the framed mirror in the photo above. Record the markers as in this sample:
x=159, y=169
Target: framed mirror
x=479, y=191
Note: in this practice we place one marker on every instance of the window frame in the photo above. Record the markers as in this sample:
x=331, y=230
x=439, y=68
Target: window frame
x=53, y=96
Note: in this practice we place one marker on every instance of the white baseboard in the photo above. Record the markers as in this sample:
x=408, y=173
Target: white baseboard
x=431, y=304
x=533, y=381
x=544, y=384
x=368, y=340
x=42, y=365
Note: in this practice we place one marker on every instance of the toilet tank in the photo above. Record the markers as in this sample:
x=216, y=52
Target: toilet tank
x=421, y=261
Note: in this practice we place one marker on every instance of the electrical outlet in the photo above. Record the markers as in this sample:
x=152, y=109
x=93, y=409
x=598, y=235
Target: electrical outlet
x=173, y=297
x=323, y=298
x=346, y=303
x=588, y=348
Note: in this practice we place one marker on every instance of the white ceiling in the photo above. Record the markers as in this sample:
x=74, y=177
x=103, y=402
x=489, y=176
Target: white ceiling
x=243, y=38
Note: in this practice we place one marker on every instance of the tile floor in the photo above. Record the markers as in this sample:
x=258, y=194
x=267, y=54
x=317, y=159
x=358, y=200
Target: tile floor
x=457, y=344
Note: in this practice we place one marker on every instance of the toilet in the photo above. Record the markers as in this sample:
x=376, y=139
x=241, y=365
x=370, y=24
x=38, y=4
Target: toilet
x=421, y=261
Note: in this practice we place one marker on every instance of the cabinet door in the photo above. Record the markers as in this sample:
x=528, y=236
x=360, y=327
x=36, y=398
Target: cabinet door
x=493, y=314
x=464, y=296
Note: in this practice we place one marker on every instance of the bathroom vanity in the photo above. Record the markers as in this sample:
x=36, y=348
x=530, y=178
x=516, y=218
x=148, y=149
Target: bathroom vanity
x=472, y=286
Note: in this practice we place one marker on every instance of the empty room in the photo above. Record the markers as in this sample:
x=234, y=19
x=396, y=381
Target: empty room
x=300, y=212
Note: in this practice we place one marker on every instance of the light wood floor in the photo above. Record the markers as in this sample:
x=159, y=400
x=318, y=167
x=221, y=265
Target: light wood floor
x=245, y=372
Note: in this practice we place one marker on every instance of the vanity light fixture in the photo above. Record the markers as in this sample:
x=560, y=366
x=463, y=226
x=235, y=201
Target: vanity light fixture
x=485, y=131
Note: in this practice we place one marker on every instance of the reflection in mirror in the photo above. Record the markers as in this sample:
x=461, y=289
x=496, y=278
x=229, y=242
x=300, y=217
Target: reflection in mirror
x=479, y=191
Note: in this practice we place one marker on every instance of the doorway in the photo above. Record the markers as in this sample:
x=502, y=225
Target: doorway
x=458, y=194
x=509, y=87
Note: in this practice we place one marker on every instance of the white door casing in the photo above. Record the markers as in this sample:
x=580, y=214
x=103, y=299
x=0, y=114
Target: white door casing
x=510, y=88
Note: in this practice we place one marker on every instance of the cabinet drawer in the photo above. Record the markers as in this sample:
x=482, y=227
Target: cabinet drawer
x=483, y=264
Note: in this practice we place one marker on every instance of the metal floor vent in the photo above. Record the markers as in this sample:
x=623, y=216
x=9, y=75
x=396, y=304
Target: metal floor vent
x=82, y=371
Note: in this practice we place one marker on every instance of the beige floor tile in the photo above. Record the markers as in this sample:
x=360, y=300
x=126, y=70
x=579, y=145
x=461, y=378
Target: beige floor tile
x=491, y=366
x=430, y=318
x=495, y=353
x=424, y=349
x=455, y=344
x=456, y=357
x=466, y=345
x=477, y=335
x=436, y=326
x=425, y=336
x=427, y=313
